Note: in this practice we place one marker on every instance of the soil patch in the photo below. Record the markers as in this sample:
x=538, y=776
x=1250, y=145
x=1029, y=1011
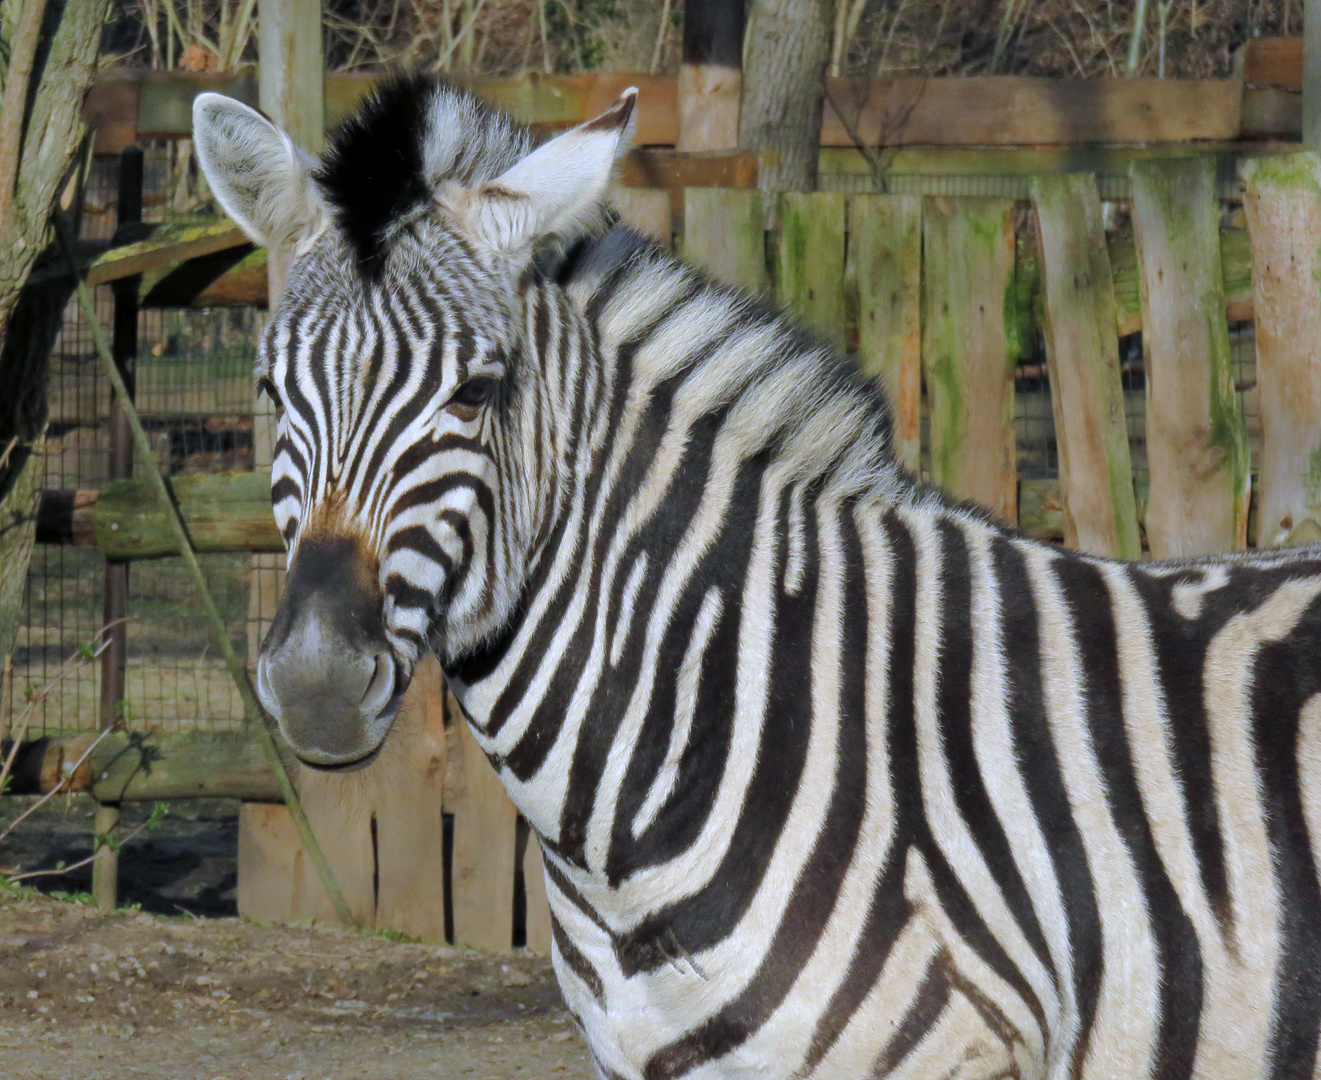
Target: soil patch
x=93, y=996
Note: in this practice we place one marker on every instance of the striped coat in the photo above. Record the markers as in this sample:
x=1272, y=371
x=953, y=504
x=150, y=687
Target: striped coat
x=834, y=777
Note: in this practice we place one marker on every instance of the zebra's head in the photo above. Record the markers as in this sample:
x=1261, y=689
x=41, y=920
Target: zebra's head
x=394, y=359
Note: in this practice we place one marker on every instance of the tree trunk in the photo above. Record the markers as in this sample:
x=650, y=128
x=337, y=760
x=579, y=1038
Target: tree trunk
x=51, y=46
x=787, y=48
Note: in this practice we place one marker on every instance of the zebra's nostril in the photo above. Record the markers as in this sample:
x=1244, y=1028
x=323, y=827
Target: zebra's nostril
x=380, y=689
x=265, y=692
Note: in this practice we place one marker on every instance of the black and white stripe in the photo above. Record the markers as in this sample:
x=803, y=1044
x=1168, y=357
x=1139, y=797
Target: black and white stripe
x=834, y=777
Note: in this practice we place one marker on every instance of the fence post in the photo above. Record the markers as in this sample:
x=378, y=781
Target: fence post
x=124, y=349
x=1197, y=445
x=485, y=835
x=1283, y=205
x=967, y=278
x=1082, y=352
x=885, y=267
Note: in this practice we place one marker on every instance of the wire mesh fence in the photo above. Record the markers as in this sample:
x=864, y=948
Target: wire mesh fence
x=194, y=393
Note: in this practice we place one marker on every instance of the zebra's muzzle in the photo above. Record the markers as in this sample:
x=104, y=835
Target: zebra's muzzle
x=326, y=673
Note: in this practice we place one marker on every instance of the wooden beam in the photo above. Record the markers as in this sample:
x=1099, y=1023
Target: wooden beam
x=1283, y=208
x=1274, y=61
x=1312, y=75
x=1082, y=350
x=145, y=766
x=167, y=246
x=968, y=254
x=711, y=76
x=1014, y=110
x=1197, y=444
x=999, y=110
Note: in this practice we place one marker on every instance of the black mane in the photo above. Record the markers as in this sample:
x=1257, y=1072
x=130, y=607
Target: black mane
x=412, y=132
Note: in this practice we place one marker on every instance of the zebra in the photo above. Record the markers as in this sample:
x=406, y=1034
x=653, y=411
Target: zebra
x=834, y=776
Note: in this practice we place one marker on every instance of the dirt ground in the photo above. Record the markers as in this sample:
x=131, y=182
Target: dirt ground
x=87, y=996
x=91, y=996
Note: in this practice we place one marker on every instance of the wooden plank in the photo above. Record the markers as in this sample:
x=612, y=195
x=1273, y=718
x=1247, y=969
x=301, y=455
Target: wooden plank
x=224, y=512
x=998, y=110
x=710, y=77
x=538, y=908
x=1283, y=205
x=809, y=260
x=269, y=860
x=410, y=848
x=1274, y=61
x=1016, y=110
x=1082, y=351
x=145, y=767
x=648, y=211
x=167, y=245
x=1197, y=445
x=968, y=252
x=724, y=232
x=1236, y=277
x=482, y=872
x=885, y=267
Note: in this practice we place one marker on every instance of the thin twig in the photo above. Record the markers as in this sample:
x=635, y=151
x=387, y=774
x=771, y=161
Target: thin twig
x=25, y=718
x=67, y=778
x=97, y=848
x=254, y=715
x=662, y=32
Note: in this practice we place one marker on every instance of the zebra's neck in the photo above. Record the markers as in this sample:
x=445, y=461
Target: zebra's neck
x=669, y=419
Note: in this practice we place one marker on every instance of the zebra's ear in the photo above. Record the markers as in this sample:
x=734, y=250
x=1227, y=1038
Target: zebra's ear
x=557, y=191
x=263, y=181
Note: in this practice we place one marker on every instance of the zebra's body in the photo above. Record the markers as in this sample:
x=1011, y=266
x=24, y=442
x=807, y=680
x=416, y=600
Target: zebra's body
x=834, y=777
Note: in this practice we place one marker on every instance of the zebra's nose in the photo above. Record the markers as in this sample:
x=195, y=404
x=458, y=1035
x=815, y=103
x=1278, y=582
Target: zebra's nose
x=333, y=707
x=326, y=673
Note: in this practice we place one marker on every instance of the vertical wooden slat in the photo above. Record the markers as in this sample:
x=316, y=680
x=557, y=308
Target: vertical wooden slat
x=538, y=910
x=809, y=278
x=1283, y=204
x=1082, y=353
x=968, y=254
x=1197, y=445
x=885, y=266
x=380, y=827
x=410, y=849
x=724, y=232
x=648, y=211
x=482, y=872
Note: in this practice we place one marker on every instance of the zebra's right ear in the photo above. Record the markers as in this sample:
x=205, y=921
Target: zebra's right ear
x=263, y=181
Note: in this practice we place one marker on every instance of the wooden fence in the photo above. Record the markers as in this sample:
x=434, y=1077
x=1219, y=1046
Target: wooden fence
x=937, y=292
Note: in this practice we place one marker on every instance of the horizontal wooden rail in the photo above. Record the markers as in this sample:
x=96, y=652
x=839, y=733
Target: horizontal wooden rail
x=142, y=767
x=223, y=512
x=125, y=106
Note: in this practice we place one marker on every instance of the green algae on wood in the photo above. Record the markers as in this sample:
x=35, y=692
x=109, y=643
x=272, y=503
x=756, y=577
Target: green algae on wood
x=1082, y=352
x=809, y=261
x=885, y=273
x=1282, y=201
x=968, y=253
x=1197, y=444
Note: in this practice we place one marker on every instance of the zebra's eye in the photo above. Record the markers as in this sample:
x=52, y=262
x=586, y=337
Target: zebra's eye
x=265, y=386
x=474, y=392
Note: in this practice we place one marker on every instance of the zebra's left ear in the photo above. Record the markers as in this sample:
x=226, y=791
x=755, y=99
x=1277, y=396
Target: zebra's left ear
x=557, y=191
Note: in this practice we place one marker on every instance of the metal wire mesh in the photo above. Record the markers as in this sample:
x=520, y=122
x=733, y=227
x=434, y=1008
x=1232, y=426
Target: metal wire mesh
x=194, y=395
